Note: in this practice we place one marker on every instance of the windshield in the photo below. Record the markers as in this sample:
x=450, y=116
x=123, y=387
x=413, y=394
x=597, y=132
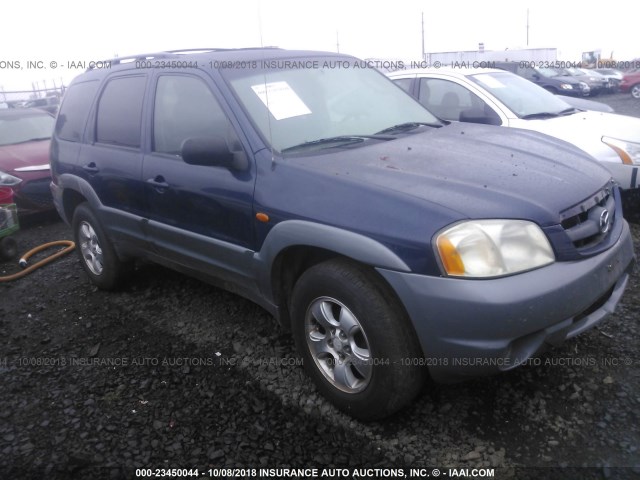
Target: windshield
x=522, y=97
x=301, y=101
x=24, y=128
x=573, y=72
x=547, y=72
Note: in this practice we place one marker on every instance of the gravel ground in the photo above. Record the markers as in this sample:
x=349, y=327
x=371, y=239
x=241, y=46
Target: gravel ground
x=622, y=103
x=170, y=372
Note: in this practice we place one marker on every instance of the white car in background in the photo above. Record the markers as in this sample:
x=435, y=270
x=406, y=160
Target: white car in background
x=498, y=97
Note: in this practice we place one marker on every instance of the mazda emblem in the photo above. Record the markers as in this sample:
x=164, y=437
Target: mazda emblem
x=604, y=221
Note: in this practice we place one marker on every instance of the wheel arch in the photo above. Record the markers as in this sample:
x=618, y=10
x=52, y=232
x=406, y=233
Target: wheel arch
x=292, y=247
x=70, y=201
x=76, y=190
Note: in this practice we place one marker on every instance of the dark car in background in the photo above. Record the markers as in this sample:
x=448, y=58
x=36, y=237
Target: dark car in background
x=24, y=157
x=597, y=83
x=631, y=83
x=548, y=78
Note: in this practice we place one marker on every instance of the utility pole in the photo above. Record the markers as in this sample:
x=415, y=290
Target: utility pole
x=424, y=55
x=337, y=42
x=527, y=27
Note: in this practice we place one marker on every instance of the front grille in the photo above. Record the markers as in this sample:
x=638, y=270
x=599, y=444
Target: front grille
x=589, y=223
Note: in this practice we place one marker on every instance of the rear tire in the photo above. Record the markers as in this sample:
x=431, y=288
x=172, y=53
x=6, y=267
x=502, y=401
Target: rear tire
x=355, y=339
x=97, y=255
x=635, y=91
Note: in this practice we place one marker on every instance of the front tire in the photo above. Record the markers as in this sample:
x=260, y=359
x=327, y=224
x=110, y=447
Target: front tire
x=355, y=339
x=635, y=91
x=97, y=255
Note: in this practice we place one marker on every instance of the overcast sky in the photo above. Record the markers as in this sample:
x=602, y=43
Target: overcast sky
x=68, y=30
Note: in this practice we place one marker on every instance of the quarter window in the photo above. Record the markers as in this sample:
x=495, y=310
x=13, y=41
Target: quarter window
x=404, y=83
x=75, y=109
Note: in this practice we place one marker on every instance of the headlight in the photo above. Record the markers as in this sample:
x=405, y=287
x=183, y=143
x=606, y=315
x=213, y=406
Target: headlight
x=566, y=86
x=7, y=180
x=629, y=152
x=492, y=248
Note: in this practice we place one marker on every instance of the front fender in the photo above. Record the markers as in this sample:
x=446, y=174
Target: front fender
x=296, y=233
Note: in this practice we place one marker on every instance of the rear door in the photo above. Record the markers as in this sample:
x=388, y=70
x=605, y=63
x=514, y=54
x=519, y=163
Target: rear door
x=111, y=159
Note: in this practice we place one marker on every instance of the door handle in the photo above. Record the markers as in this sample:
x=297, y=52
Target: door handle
x=158, y=183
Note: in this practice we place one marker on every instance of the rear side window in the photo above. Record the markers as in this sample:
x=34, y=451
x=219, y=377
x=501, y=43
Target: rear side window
x=120, y=112
x=73, y=115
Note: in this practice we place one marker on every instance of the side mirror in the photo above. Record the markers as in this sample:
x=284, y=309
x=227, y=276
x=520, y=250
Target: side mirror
x=478, y=115
x=214, y=152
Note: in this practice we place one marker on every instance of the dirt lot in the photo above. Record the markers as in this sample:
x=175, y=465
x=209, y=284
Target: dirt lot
x=173, y=373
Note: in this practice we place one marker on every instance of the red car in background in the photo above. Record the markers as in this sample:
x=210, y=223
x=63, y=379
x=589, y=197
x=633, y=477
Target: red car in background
x=24, y=157
x=631, y=83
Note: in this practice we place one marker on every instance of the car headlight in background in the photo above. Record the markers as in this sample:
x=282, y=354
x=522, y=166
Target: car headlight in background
x=629, y=152
x=566, y=86
x=492, y=248
x=7, y=180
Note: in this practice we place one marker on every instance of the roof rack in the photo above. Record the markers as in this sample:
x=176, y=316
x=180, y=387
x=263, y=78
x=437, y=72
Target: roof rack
x=172, y=53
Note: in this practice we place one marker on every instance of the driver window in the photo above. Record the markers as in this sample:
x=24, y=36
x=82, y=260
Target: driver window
x=453, y=102
x=184, y=108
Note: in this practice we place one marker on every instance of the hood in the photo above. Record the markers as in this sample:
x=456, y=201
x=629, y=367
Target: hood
x=568, y=79
x=21, y=155
x=586, y=129
x=473, y=171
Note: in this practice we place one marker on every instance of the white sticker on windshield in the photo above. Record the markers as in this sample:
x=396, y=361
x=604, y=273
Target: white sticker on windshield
x=489, y=81
x=281, y=100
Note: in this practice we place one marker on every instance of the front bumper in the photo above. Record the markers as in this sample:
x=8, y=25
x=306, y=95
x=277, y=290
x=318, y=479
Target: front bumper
x=479, y=327
x=576, y=91
x=34, y=196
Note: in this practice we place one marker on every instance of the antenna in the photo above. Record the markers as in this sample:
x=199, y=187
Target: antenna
x=527, y=27
x=337, y=42
x=266, y=90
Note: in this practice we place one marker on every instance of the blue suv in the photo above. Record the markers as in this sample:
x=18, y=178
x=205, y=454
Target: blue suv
x=393, y=245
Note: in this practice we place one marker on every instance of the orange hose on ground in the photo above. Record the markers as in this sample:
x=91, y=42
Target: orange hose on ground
x=23, y=260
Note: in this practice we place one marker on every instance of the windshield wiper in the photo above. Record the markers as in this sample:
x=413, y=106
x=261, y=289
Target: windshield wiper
x=36, y=139
x=342, y=139
x=540, y=115
x=409, y=126
x=569, y=111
